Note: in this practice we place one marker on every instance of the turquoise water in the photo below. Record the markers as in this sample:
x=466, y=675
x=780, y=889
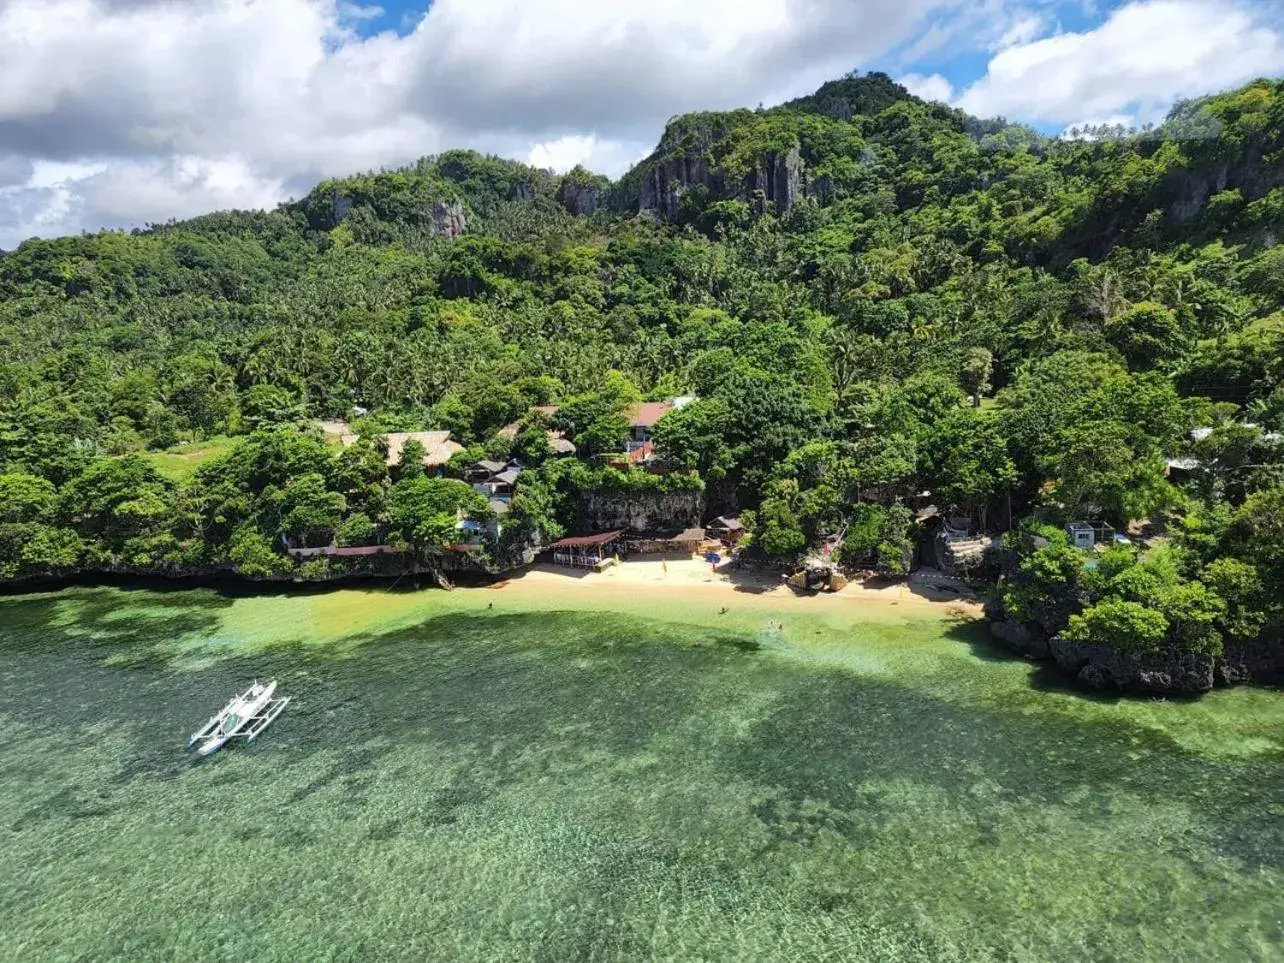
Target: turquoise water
x=460, y=782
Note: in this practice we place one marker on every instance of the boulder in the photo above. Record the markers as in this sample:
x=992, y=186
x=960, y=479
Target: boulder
x=1024, y=637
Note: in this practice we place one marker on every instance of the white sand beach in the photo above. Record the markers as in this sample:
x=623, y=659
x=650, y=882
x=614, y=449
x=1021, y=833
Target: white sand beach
x=688, y=580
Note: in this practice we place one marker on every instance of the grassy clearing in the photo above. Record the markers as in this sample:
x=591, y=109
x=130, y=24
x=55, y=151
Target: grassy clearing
x=179, y=463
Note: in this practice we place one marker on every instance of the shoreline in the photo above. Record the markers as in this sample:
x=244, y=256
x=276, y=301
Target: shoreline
x=682, y=582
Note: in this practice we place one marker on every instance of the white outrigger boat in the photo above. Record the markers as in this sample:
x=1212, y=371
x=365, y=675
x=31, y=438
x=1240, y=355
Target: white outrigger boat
x=245, y=716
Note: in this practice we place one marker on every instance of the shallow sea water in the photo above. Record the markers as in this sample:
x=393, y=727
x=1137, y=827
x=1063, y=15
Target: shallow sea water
x=474, y=776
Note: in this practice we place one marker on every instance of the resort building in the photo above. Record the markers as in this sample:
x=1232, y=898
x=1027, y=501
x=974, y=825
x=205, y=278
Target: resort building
x=729, y=530
x=586, y=551
x=494, y=479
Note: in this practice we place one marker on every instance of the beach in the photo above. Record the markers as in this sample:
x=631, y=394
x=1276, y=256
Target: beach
x=687, y=581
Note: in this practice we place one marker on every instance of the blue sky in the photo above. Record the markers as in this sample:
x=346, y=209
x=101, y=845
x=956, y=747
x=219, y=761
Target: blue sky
x=119, y=112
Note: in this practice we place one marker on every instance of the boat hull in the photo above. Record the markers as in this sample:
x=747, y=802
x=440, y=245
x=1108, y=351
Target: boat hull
x=238, y=714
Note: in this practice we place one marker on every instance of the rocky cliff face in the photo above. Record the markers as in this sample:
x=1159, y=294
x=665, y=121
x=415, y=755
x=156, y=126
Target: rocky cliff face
x=340, y=205
x=448, y=218
x=1250, y=174
x=779, y=176
x=641, y=512
x=582, y=200
x=668, y=180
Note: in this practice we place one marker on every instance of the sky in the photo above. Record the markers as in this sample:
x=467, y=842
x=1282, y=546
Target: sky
x=117, y=113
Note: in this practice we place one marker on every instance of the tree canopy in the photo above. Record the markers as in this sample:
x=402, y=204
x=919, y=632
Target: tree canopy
x=876, y=302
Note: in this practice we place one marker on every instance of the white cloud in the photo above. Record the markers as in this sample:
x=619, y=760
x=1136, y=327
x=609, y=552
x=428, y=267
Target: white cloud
x=931, y=87
x=934, y=38
x=1023, y=30
x=167, y=108
x=1143, y=57
x=195, y=103
x=563, y=153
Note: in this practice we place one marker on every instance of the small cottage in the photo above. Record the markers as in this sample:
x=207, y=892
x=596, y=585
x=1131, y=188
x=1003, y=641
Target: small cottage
x=494, y=479
x=1088, y=535
x=729, y=530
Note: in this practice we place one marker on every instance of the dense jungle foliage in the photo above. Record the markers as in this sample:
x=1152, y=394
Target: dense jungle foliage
x=872, y=297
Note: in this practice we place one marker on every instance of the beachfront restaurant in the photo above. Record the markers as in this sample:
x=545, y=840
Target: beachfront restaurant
x=586, y=551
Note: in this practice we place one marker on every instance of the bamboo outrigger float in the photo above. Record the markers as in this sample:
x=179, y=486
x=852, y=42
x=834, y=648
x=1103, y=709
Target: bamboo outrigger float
x=244, y=716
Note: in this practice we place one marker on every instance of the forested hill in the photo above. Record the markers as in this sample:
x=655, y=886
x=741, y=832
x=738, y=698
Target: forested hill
x=871, y=297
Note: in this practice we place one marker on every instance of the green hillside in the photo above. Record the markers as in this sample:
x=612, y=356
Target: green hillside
x=871, y=296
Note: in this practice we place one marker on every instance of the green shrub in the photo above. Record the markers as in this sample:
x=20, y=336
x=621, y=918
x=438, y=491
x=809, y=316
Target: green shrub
x=1120, y=625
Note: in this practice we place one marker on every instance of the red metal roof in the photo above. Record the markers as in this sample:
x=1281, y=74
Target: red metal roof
x=583, y=541
x=647, y=413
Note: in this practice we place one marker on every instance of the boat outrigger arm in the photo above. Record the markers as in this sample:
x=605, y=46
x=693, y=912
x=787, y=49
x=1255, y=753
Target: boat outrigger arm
x=244, y=717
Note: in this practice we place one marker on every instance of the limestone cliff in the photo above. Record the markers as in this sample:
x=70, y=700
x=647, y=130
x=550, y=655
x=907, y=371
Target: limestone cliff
x=328, y=209
x=448, y=218
x=582, y=200
x=340, y=206
x=1190, y=189
x=602, y=511
x=777, y=178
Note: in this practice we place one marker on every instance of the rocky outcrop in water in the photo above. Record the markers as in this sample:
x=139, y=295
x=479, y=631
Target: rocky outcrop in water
x=1260, y=662
x=1167, y=672
x=1026, y=638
